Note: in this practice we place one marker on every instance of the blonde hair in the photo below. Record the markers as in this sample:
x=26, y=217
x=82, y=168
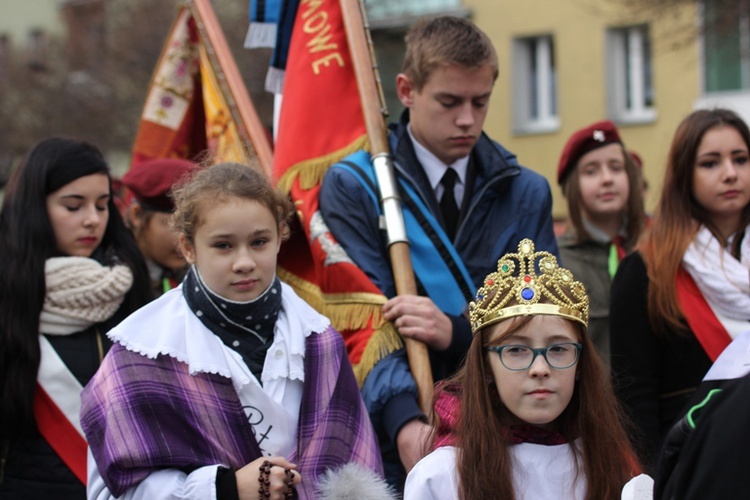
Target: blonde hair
x=445, y=40
x=215, y=184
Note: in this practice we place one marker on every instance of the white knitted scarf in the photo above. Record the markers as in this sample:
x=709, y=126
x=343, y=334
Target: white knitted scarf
x=81, y=292
x=723, y=280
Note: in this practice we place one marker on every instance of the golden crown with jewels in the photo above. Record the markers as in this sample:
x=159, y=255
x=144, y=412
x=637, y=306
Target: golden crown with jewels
x=516, y=289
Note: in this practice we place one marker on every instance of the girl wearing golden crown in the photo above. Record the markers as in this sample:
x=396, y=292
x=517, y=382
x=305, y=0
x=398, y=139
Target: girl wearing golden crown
x=681, y=299
x=538, y=418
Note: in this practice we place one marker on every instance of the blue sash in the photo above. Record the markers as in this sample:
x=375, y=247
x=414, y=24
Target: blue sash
x=436, y=264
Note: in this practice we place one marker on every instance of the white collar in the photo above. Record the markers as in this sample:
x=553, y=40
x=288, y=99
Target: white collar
x=434, y=167
x=168, y=327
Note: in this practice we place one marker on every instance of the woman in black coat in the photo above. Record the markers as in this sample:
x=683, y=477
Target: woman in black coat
x=71, y=271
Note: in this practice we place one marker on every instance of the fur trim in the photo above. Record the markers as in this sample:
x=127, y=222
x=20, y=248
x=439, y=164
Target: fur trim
x=353, y=482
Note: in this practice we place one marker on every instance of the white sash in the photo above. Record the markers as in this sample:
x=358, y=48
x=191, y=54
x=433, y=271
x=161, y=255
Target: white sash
x=273, y=412
x=60, y=384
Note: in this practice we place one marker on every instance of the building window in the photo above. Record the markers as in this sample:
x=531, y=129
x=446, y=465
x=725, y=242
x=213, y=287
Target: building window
x=4, y=57
x=37, y=50
x=629, y=75
x=726, y=46
x=534, y=85
x=390, y=14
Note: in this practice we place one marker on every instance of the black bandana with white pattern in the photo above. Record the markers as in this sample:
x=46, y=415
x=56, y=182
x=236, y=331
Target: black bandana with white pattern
x=246, y=327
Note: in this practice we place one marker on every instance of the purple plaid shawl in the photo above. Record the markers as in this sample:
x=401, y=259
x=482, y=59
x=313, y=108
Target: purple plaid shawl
x=141, y=415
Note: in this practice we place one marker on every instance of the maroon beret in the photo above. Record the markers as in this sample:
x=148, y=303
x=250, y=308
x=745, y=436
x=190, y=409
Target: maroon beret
x=636, y=158
x=582, y=141
x=151, y=180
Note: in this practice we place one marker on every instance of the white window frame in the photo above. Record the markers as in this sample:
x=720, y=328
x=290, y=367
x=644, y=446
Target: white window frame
x=626, y=66
x=534, y=88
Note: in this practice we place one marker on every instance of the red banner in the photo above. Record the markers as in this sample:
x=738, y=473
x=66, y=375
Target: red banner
x=320, y=123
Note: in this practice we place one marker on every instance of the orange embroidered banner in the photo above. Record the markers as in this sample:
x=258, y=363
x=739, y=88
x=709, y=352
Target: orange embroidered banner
x=173, y=123
x=196, y=101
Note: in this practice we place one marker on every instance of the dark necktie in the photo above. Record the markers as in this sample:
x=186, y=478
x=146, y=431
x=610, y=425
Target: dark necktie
x=448, y=202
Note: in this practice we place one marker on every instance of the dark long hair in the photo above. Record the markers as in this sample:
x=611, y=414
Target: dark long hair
x=593, y=414
x=27, y=240
x=678, y=215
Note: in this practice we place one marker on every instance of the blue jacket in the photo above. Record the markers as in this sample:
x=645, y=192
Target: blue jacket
x=508, y=203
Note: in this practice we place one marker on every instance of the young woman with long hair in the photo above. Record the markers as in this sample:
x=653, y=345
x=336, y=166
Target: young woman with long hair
x=602, y=186
x=679, y=300
x=537, y=417
x=71, y=270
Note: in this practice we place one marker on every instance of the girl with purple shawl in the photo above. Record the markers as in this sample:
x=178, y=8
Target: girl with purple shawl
x=229, y=386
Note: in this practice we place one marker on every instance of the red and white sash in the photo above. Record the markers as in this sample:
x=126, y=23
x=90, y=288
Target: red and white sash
x=57, y=404
x=703, y=320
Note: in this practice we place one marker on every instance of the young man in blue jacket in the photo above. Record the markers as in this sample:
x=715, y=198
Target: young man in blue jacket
x=472, y=202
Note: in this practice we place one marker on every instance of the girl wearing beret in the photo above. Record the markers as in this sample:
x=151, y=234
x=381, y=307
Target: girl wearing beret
x=71, y=271
x=147, y=215
x=538, y=417
x=602, y=187
x=679, y=300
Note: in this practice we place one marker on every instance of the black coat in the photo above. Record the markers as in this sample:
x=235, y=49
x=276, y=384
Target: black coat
x=711, y=460
x=655, y=373
x=32, y=469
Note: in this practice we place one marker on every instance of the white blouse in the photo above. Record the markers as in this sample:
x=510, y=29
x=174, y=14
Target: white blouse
x=539, y=473
x=167, y=326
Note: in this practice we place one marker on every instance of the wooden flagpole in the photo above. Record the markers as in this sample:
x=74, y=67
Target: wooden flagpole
x=248, y=123
x=403, y=274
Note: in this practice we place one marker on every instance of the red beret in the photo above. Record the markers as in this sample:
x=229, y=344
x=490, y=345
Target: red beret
x=151, y=180
x=582, y=141
x=636, y=158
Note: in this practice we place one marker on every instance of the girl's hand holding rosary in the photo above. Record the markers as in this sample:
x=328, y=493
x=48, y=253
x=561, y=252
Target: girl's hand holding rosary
x=267, y=478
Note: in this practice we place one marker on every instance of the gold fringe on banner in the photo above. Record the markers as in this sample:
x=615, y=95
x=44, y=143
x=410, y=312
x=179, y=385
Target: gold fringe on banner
x=309, y=292
x=384, y=340
x=351, y=311
x=311, y=171
x=347, y=311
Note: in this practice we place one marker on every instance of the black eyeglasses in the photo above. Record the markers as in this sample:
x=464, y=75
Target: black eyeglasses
x=520, y=357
